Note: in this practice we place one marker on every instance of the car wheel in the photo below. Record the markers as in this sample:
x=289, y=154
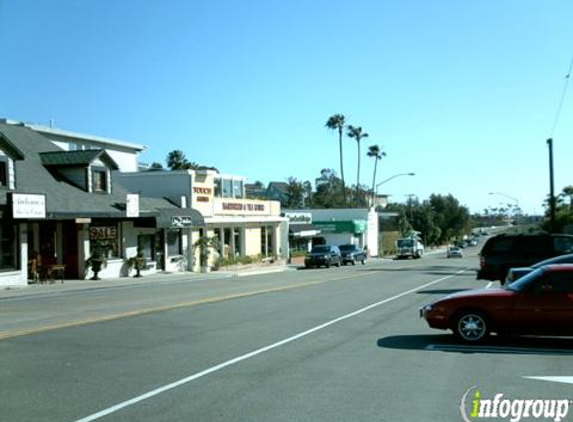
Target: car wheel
x=327, y=264
x=363, y=261
x=471, y=326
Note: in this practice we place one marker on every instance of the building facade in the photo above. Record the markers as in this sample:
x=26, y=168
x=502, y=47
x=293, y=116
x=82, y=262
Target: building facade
x=358, y=226
x=59, y=205
x=244, y=227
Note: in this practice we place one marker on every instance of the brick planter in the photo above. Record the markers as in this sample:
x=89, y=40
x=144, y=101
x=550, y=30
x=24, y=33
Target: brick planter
x=297, y=260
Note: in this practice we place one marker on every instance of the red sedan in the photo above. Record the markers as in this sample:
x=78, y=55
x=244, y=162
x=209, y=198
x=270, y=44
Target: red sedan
x=540, y=303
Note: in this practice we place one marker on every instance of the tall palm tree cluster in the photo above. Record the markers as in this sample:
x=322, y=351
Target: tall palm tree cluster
x=338, y=122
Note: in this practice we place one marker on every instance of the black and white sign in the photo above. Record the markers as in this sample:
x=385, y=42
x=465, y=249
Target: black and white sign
x=28, y=205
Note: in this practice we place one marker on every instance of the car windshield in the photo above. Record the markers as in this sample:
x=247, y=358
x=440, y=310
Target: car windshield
x=320, y=249
x=347, y=248
x=404, y=243
x=523, y=283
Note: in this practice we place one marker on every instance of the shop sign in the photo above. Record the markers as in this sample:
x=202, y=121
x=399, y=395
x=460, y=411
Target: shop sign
x=202, y=194
x=239, y=206
x=354, y=226
x=103, y=233
x=299, y=217
x=181, y=222
x=28, y=205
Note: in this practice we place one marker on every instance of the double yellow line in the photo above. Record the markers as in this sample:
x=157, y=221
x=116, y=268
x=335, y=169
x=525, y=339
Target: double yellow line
x=19, y=333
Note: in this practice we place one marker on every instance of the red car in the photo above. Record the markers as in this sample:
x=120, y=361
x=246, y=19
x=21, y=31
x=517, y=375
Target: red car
x=540, y=303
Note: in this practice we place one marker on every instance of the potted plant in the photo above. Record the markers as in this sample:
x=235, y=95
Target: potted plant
x=138, y=262
x=97, y=260
x=205, y=244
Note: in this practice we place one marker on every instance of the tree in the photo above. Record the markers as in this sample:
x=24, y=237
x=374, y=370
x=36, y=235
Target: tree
x=176, y=160
x=156, y=166
x=375, y=152
x=295, y=193
x=356, y=133
x=328, y=190
x=337, y=122
x=563, y=213
x=568, y=191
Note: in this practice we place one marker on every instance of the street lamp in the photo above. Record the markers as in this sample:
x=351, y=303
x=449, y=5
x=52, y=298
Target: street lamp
x=517, y=209
x=387, y=180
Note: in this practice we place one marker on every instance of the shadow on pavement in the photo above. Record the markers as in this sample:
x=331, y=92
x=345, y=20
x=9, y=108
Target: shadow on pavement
x=525, y=345
x=441, y=292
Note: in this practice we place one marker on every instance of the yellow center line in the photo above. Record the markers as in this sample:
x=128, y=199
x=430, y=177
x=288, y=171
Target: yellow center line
x=18, y=333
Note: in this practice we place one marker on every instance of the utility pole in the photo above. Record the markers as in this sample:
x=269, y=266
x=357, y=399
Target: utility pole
x=551, y=187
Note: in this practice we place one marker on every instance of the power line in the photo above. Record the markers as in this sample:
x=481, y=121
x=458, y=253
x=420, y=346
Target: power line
x=563, y=93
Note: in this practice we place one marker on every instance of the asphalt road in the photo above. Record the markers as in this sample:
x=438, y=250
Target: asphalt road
x=339, y=344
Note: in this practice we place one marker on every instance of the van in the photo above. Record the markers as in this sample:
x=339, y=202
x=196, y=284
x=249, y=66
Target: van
x=502, y=252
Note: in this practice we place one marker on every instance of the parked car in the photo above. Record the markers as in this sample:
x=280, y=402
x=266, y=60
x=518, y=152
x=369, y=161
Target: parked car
x=515, y=274
x=454, y=252
x=540, y=303
x=350, y=254
x=502, y=252
x=326, y=255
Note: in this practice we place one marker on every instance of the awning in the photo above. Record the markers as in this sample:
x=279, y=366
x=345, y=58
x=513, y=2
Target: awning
x=303, y=230
x=178, y=218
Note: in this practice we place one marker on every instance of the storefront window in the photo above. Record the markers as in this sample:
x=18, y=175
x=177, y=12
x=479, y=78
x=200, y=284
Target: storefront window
x=237, y=239
x=227, y=242
x=106, y=238
x=174, y=242
x=146, y=244
x=8, y=245
x=267, y=241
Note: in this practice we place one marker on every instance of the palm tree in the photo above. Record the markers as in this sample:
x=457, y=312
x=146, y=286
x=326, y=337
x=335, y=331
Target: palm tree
x=176, y=160
x=337, y=122
x=375, y=152
x=356, y=133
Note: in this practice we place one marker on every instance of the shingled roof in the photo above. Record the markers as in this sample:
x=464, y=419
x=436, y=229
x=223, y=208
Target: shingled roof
x=76, y=158
x=64, y=200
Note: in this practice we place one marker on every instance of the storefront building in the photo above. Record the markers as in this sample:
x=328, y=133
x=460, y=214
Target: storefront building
x=57, y=206
x=301, y=231
x=358, y=226
x=244, y=227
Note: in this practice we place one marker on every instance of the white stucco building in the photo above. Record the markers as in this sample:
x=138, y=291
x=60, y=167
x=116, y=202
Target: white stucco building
x=244, y=227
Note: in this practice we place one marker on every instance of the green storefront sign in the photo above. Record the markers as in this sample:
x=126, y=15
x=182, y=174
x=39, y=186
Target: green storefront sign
x=352, y=226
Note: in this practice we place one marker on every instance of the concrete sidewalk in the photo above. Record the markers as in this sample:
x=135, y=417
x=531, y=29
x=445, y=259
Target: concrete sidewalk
x=157, y=278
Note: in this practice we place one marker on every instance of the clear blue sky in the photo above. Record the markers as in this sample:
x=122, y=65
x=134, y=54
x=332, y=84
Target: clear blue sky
x=463, y=93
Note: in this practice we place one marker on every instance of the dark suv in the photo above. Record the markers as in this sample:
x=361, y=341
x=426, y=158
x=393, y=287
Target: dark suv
x=352, y=254
x=502, y=252
x=326, y=255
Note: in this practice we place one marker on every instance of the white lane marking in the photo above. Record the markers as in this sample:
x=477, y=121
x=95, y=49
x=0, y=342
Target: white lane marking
x=223, y=365
x=565, y=380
